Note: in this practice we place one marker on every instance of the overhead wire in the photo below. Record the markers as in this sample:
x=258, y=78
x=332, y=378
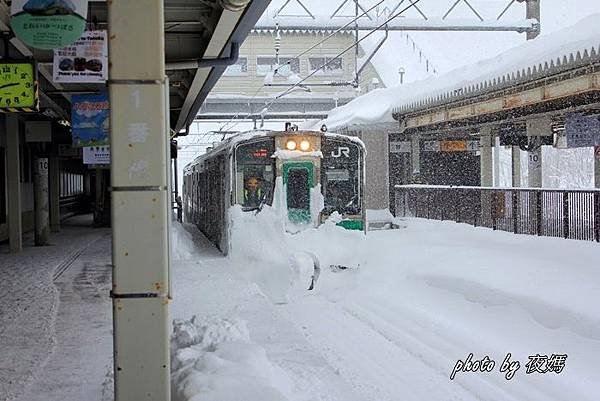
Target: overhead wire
x=295, y=85
x=289, y=61
x=352, y=21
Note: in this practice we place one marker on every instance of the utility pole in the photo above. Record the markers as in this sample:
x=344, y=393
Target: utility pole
x=532, y=12
x=140, y=199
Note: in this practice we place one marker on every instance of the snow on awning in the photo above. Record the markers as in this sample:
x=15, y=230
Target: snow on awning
x=540, y=58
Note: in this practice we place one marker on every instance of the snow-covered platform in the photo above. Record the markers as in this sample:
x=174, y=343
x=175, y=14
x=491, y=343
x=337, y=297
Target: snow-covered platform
x=55, y=338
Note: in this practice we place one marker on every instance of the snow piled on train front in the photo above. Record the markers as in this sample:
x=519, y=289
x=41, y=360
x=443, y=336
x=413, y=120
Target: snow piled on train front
x=276, y=255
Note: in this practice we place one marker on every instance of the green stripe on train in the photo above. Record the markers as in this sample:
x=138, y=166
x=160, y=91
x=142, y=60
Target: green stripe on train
x=351, y=224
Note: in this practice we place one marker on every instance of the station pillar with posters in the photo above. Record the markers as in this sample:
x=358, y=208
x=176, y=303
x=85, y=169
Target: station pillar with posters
x=140, y=199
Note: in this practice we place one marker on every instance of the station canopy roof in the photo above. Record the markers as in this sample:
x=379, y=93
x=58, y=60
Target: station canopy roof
x=194, y=30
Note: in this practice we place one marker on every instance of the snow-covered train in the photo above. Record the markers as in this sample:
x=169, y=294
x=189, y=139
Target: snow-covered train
x=315, y=174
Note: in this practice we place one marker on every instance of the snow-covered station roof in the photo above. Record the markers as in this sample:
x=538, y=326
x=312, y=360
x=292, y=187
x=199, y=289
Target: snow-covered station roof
x=535, y=60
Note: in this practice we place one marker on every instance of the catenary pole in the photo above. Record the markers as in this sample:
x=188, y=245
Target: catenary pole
x=532, y=12
x=140, y=199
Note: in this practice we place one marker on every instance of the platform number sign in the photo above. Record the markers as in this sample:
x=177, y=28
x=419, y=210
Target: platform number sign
x=42, y=166
x=18, y=87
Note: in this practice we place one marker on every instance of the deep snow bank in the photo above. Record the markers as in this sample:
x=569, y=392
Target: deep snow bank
x=214, y=359
x=276, y=255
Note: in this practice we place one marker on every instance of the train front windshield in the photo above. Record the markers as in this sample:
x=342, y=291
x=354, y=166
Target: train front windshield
x=255, y=173
x=340, y=177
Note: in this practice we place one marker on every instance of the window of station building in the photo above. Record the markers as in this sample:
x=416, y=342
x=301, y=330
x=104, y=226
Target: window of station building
x=334, y=66
x=265, y=64
x=255, y=173
x=239, y=69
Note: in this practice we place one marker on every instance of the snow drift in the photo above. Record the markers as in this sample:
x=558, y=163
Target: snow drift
x=214, y=359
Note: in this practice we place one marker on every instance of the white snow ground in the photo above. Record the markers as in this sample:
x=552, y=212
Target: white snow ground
x=39, y=326
x=391, y=327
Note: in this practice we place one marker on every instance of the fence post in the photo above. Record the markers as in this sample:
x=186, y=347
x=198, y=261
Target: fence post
x=515, y=210
x=428, y=204
x=566, y=214
x=597, y=215
x=538, y=212
x=416, y=204
x=494, y=208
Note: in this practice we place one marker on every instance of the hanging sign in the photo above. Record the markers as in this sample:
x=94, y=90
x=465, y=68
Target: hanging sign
x=96, y=155
x=85, y=61
x=453, y=146
x=48, y=24
x=582, y=131
x=400, y=147
x=431, y=146
x=89, y=120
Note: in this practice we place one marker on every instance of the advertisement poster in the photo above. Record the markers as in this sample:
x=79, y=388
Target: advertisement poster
x=96, y=155
x=48, y=24
x=85, y=61
x=89, y=120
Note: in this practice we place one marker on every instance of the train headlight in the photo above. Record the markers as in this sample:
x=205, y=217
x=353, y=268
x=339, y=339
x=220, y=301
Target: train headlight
x=304, y=145
x=291, y=145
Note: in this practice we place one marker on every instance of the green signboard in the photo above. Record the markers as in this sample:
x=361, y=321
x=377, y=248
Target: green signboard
x=48, y=24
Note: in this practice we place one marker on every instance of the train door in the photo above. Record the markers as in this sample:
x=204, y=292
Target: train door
x=298, y=179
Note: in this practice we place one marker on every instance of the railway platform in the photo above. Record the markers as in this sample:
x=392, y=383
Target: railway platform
x=56, y=316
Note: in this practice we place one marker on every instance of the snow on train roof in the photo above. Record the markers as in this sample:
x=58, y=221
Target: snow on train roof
x=243, y=136
x=377, y=106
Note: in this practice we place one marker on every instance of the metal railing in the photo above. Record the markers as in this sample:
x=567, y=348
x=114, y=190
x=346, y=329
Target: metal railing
x=573, y=214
